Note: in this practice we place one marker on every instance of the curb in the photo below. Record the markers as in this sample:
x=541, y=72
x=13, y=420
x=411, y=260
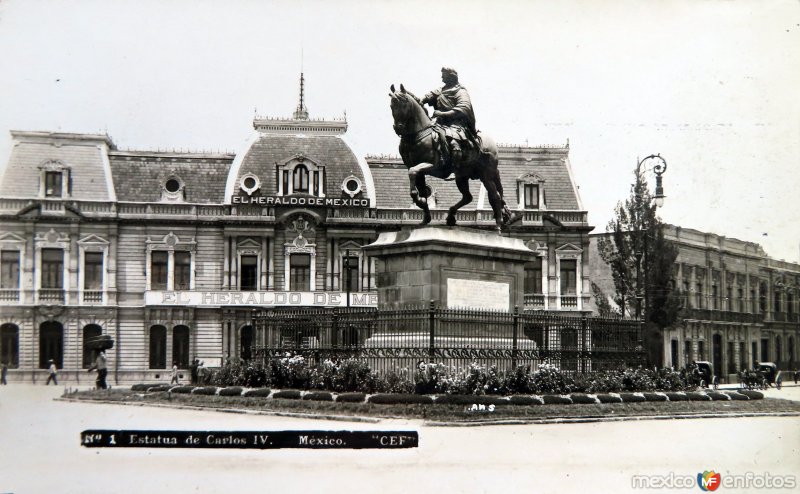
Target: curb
x=596, y=419
x=340, y=418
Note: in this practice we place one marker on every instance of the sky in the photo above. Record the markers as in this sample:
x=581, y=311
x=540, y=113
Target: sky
x=710, y=85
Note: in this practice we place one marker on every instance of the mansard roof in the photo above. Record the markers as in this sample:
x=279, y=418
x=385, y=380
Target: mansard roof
x=278, y=142
x=83, y=155
x=140, y=176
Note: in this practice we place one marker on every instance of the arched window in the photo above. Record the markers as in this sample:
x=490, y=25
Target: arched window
x=89, y=331
x=158, y=347
x=9, y=345
x=300, y=179
x=51, y=344
x=247, y=342
x=180, y=346
x=762, y=298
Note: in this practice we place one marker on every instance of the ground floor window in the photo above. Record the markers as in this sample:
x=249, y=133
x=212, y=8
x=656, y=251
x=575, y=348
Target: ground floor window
x=731, y=358
x=299, y=272
x=742, y=355
x=247, y=342
x=180, y=346
x=9, y=345
x=754, y=352
x=701, y=350
x=778, y=351
x=89, y=331
x=674, y=352
x=687, y=352
x=158, y=347
x=51, y=344
x=764, y=349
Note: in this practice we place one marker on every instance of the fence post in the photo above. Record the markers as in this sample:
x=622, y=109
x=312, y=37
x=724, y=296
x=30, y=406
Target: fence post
x=335, y=328
x=584, y=343
x=514, y=336
x=431, y=329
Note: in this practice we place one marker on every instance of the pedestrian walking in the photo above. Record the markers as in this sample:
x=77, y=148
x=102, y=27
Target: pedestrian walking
x=3, y=374
x=174, y=379
x=100, y=363
x=53, y=373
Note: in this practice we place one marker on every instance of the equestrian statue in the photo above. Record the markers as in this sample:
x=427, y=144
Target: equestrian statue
x=449, y=147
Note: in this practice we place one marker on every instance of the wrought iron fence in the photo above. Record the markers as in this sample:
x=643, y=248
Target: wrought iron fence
x=393, y=340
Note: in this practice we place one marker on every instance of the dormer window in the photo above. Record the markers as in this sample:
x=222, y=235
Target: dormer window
x=531, y=196
x=300, y=179
x=300, y=175
x=530, y=192
x=53, y=184
x=56, y=180
x=173, y=190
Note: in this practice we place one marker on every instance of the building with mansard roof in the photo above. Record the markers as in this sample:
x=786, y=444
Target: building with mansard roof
x=739, y=305
x=170, y=252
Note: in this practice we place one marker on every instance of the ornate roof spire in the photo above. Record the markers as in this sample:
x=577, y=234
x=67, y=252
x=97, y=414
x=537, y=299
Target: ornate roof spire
x=302, y=112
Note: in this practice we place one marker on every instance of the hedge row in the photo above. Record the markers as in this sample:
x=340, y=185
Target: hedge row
x=455, y=399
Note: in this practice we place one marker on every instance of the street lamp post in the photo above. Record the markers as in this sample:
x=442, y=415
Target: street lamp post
x=640, y=233
x=640, y=237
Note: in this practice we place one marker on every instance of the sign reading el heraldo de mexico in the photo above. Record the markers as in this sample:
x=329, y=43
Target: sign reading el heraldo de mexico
x=259, y=299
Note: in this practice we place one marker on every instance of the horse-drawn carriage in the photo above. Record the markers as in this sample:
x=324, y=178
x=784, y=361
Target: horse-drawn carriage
x=765, y=374
x=704, y=375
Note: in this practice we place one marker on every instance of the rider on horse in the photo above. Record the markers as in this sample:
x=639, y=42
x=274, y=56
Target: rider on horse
x=453, y=112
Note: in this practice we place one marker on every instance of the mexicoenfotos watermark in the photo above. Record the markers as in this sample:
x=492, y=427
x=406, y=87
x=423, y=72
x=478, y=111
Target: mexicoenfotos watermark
x=709, y=481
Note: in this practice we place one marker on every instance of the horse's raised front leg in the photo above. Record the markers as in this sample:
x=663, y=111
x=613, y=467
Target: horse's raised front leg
x=419, y=190
x=466, y=197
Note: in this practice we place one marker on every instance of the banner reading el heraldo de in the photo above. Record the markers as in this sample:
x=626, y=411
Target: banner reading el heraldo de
x=259, y=299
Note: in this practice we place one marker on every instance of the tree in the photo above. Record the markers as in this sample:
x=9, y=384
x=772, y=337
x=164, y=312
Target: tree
x=642, y=265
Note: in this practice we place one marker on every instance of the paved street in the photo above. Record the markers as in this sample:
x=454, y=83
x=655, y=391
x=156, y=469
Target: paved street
x=40, y=453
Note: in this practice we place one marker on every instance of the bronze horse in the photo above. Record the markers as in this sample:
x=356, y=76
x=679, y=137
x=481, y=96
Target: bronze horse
x=421, y=155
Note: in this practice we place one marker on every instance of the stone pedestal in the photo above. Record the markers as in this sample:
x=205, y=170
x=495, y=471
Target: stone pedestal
x=453, y=267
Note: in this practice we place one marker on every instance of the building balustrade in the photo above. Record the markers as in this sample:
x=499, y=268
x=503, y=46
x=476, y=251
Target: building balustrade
x=534, y=301
x=721, y=315
x=51, y=295
x=569, y=301
x=9, y=295
x=93, y=296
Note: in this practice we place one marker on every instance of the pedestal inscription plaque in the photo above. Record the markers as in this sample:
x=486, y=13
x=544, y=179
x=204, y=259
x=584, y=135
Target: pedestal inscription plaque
x=478, y=294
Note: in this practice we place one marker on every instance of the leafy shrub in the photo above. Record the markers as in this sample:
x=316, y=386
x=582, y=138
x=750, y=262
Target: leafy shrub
x=287, y=394
x=556, y=400
x=396, y=382
x=318, y=396
x=231, y=391
x=655, y=397
x=205, y=390
x=351, y=397
x=430, y=378
x=182, y=389
x=258, y=392
x=582, y=399
x=607, y=398
x=717, y=396
x=548, y=380
x=518, y=381
x=246, y=373
x=347, y=375
x=753, y=395
x=290, y=372
x=632, y=398
x=525, y=400
x=391, y=399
